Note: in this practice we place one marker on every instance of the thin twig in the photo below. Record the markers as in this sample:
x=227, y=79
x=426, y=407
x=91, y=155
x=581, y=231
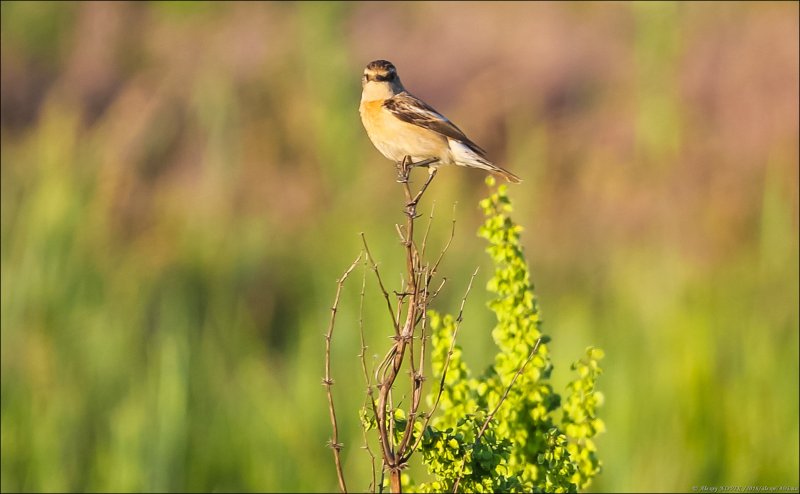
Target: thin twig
x=435, y=293
x=362, y=355
x=508, y=389
x=380, y=280
x=496, y=408
x=328, y=380
x=416, y=374
x=427, y=230
x=444, y=249
x=446, y=362
x=375, y=414
x=381, y=369
x=400, y=234
x=423, y=340
x=371, y=456
x=423, y=315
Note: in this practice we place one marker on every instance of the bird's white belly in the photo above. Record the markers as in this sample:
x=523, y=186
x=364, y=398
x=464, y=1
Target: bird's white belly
x=399, y=145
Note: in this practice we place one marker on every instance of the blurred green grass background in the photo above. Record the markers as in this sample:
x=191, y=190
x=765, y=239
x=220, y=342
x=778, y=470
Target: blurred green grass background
x=183, y=182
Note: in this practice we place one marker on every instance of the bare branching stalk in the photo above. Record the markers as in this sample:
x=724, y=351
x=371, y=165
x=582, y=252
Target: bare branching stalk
x=446, y=247
x=427, y=231
x=362, y=354
x=408, y=314
x=374, y=267
x=327, y=381
x=446, y=366
x=413, y=299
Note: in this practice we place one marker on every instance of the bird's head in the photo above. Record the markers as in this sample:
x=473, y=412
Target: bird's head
x=380, y=71
x=381, y=76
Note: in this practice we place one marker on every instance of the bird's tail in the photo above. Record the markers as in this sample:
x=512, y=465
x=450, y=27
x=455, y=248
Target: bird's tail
x=466, y=156
x=505, y=174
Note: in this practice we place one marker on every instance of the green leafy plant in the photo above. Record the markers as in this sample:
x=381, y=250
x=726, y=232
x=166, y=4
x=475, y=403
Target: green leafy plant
x=519, y=446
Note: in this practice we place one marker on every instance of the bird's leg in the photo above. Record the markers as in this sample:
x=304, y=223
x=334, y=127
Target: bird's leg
x=403, y=172
x=424, y=187
x=426, y=162
x=404, y=169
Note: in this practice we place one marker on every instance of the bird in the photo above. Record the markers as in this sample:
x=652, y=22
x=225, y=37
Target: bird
x=402, y=126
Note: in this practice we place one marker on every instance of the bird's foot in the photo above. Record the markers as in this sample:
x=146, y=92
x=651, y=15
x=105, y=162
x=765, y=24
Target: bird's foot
x=404, y=170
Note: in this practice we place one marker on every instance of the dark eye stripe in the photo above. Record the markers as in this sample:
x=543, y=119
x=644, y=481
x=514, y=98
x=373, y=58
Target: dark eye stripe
x=381, y=77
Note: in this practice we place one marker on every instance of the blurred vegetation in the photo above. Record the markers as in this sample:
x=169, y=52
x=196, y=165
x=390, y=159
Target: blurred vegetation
x=183, y=182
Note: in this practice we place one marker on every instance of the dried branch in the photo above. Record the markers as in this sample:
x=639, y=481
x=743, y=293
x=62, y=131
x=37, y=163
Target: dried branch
x=380, y=281
x=446, y=366
x=427, y=230
x=328, y=380
x=413, y=300
x=363, y=353
x=443, y=251
x=436, y=292
x=362, y=356
x=366, y=447
x=410, y=311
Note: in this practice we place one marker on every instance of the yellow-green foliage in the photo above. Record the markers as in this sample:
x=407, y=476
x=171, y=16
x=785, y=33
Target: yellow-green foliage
x=524, y=447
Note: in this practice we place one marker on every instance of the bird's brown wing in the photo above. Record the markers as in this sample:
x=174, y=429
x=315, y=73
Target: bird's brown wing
x=413, y=110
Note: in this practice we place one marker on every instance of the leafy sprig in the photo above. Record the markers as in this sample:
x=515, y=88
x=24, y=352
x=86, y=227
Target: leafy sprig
x=522, y=447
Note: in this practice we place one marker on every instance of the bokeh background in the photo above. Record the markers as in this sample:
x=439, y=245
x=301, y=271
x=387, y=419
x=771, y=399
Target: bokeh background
x=182, y=183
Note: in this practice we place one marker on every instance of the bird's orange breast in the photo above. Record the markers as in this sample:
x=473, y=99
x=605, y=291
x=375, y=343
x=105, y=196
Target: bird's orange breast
x=372, y=116
x=395, y=138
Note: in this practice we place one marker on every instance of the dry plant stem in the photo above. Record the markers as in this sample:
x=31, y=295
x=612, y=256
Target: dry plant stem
x=328, y=380
x=362, y=355
x=417, y=372
x=374, y=267
x=496, y=408
x=446, y=366
x=427, y=230
x=444, y=250
x=393, y=457
x=423, y=336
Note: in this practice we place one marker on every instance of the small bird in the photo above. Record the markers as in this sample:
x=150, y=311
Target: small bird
x=400, y=124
